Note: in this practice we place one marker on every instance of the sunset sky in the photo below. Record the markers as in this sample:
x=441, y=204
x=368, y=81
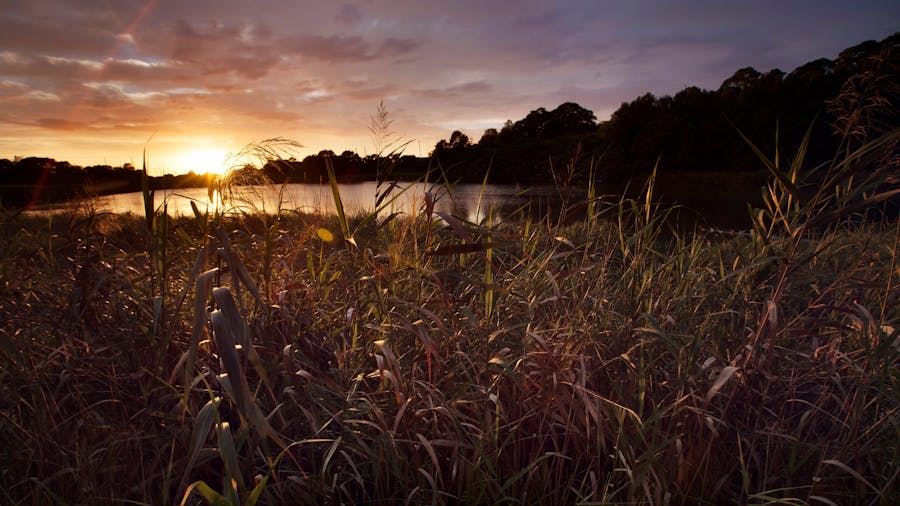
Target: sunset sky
x=91, y=81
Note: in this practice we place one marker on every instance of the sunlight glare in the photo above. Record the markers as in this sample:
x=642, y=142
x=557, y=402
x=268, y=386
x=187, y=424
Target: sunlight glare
x=205, y=160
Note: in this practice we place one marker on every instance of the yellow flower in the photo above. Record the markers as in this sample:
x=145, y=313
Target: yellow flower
x=325, y=235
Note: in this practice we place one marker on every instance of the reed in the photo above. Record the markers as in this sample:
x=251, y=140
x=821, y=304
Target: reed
x=435, y=360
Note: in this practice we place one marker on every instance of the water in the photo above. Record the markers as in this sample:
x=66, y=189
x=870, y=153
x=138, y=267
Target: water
x=470, y=201
x=709, y=205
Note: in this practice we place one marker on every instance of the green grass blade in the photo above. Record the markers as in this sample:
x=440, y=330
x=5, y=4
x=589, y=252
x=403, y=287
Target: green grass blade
x=228, y=451
x=203, y=423
x=212, y=497
x=769, y=165
x=338, y=203
x=147, y=193
x=227, y=323
x=203, y=286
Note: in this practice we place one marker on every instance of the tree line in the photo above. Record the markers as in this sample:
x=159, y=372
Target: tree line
x=36, y=180
x=842, y=101
x=845, y=100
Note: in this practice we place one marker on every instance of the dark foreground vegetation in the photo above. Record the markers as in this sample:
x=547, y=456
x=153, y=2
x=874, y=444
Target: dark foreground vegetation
x=691, y=138
x=421, y=359
x=282, y=358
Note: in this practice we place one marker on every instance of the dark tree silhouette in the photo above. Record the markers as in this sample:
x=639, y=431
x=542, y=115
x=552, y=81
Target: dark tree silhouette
x=458, y=141
x=693, y=131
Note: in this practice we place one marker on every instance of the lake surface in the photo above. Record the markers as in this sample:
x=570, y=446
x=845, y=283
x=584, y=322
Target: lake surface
x=470, y=201
x=714, y=205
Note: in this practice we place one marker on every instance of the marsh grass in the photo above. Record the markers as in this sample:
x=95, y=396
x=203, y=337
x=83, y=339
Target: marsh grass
x=282, y=358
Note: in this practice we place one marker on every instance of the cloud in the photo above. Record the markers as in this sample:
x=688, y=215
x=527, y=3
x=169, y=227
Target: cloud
x=63, y=74
x=60, y=124
x=38, y=34
x=339, y=48
x=539, y=20
x=210, y=49
x=144, y=73
x=330, y=48
x=106, y=95
x=395, y=46
x=349, y=15
x=317, y=70
x=462, y=91
x=43, y=96
x=372, y=93
x=24, y=65
x=9, y=88
x=17, y=94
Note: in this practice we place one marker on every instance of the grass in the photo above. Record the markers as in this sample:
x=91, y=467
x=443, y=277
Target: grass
x=285, y=358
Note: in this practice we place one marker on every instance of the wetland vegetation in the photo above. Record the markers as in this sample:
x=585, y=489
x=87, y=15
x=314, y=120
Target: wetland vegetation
x=426, y=358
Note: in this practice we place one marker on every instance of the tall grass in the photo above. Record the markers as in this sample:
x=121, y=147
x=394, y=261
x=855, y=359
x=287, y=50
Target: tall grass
x=434, y=360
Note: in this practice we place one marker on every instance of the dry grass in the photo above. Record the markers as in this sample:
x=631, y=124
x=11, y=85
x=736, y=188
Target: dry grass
x=281, y=358
x=606, y=361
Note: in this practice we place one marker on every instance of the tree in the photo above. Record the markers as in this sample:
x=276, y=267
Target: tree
x=489, y=138
x=567, y=119
x=458, y=142
x=570, y=118
x=742, y=80
x=533, y=125
x=812, y=73
x=350, y=156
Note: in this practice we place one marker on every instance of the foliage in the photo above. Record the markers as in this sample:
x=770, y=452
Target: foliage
x=694, y=129
x=33, y=180
x=690, y=132
x=434, y=360
x=428, y=359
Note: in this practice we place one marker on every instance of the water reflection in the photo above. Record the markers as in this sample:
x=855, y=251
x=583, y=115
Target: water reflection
x=707, y=206
x=470, y=201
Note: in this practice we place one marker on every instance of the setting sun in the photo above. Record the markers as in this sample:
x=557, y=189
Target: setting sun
x=539, y=251
x=204, y=160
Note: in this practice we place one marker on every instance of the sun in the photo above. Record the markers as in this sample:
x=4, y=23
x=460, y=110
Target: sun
x=204, y=160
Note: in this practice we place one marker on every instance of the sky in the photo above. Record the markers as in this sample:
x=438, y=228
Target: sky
x=98, y=81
